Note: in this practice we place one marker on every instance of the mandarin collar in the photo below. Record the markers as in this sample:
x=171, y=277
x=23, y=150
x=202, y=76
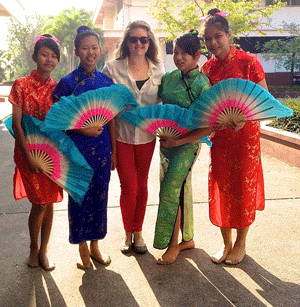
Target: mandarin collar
x=83, y=71
x=231, y=54
x=191, y=73
x=38, y=77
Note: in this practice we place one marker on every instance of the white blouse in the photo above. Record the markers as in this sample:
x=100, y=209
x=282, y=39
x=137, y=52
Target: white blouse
x=119, y=72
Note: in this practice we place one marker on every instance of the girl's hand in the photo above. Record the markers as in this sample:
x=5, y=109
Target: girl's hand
x=236, y=125
x=168, y=142
x=91, y=131
x=33, y=166
x=232, y=124
x=220, y=126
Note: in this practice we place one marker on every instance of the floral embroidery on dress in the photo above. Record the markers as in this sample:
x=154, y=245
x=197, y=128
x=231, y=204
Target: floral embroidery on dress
x=236, y=188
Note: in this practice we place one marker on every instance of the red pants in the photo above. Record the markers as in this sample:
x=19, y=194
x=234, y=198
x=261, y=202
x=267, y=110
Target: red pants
x=133, y=163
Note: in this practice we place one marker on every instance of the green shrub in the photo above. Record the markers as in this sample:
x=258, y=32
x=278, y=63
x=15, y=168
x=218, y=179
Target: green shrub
x=290, y=123
x=282, y=89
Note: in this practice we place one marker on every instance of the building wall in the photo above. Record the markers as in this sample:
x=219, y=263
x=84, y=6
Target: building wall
x=117, y=18
x=138, y=10
x=115, y=21
x=288, y=14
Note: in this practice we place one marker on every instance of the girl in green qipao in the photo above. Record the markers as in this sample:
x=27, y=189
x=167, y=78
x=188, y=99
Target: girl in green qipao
x=180, y=86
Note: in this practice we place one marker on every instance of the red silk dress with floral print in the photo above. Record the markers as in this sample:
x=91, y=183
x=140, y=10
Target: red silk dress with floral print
x=236, y=187
x=34, y=96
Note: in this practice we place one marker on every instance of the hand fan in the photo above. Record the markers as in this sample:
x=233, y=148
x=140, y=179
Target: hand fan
x=92, y=108
x=162, y=120
x=57, y=155
x=235, y=100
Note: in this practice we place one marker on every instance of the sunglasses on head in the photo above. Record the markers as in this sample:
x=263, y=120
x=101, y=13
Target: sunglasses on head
x=134, y=39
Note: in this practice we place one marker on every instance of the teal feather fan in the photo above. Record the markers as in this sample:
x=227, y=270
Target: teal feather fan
x=57, y=155
x=162, y=120
x=92, y=108
x=236, y=100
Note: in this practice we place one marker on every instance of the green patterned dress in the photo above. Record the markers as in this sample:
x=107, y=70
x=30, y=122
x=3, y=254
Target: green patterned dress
x=176, y=163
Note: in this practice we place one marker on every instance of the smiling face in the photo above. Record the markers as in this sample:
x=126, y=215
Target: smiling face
x=89, y=52
x=137, y=48
x=217, y=41
x=46, y=60
x=184, y=61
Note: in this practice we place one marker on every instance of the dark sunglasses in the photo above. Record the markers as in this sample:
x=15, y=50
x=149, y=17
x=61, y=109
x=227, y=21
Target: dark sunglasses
x=134, y=39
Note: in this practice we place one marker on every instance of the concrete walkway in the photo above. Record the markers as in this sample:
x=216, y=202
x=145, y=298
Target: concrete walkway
x=268, y=276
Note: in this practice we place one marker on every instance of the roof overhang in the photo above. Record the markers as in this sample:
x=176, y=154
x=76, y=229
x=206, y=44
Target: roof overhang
x=13, y=8
x=101, y=6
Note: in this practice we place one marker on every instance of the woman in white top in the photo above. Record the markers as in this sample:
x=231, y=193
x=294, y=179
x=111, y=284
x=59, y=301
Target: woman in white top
x=138, y=67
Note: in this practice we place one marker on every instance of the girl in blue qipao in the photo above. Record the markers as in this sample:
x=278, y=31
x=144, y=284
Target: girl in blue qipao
x=88, y=221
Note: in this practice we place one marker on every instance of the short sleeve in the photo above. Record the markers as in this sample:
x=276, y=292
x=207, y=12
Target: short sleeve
x=257, y=73
x=61, y=89
x=16, y=95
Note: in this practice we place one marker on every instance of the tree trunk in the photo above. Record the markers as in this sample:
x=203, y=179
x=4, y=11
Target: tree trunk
x=293, y=68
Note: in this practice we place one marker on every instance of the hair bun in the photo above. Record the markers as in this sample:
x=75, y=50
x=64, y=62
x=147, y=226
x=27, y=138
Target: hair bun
x=47, y=35
x=213, y=12
x=83, y=29
x=193, y=32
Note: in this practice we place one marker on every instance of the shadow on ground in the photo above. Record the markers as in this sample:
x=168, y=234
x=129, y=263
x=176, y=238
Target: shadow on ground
x=193, y=280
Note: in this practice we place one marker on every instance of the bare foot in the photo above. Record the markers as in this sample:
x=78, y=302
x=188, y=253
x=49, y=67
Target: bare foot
x=100, y=257
x=97, y=255
x=236, y=255
x=170, y=255
x=128, y=238
x=33, y=261
x=221, y=255
x=138, y=239
x=83, y=265
x=45, y=263
x=84, y=261
x=139, y=245
x=186, y=245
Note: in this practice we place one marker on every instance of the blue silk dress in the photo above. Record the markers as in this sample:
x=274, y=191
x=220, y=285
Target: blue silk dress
x=88, y=221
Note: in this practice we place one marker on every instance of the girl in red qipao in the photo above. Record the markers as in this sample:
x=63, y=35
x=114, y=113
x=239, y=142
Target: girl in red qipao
x=32, y=95
x=236, y=188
